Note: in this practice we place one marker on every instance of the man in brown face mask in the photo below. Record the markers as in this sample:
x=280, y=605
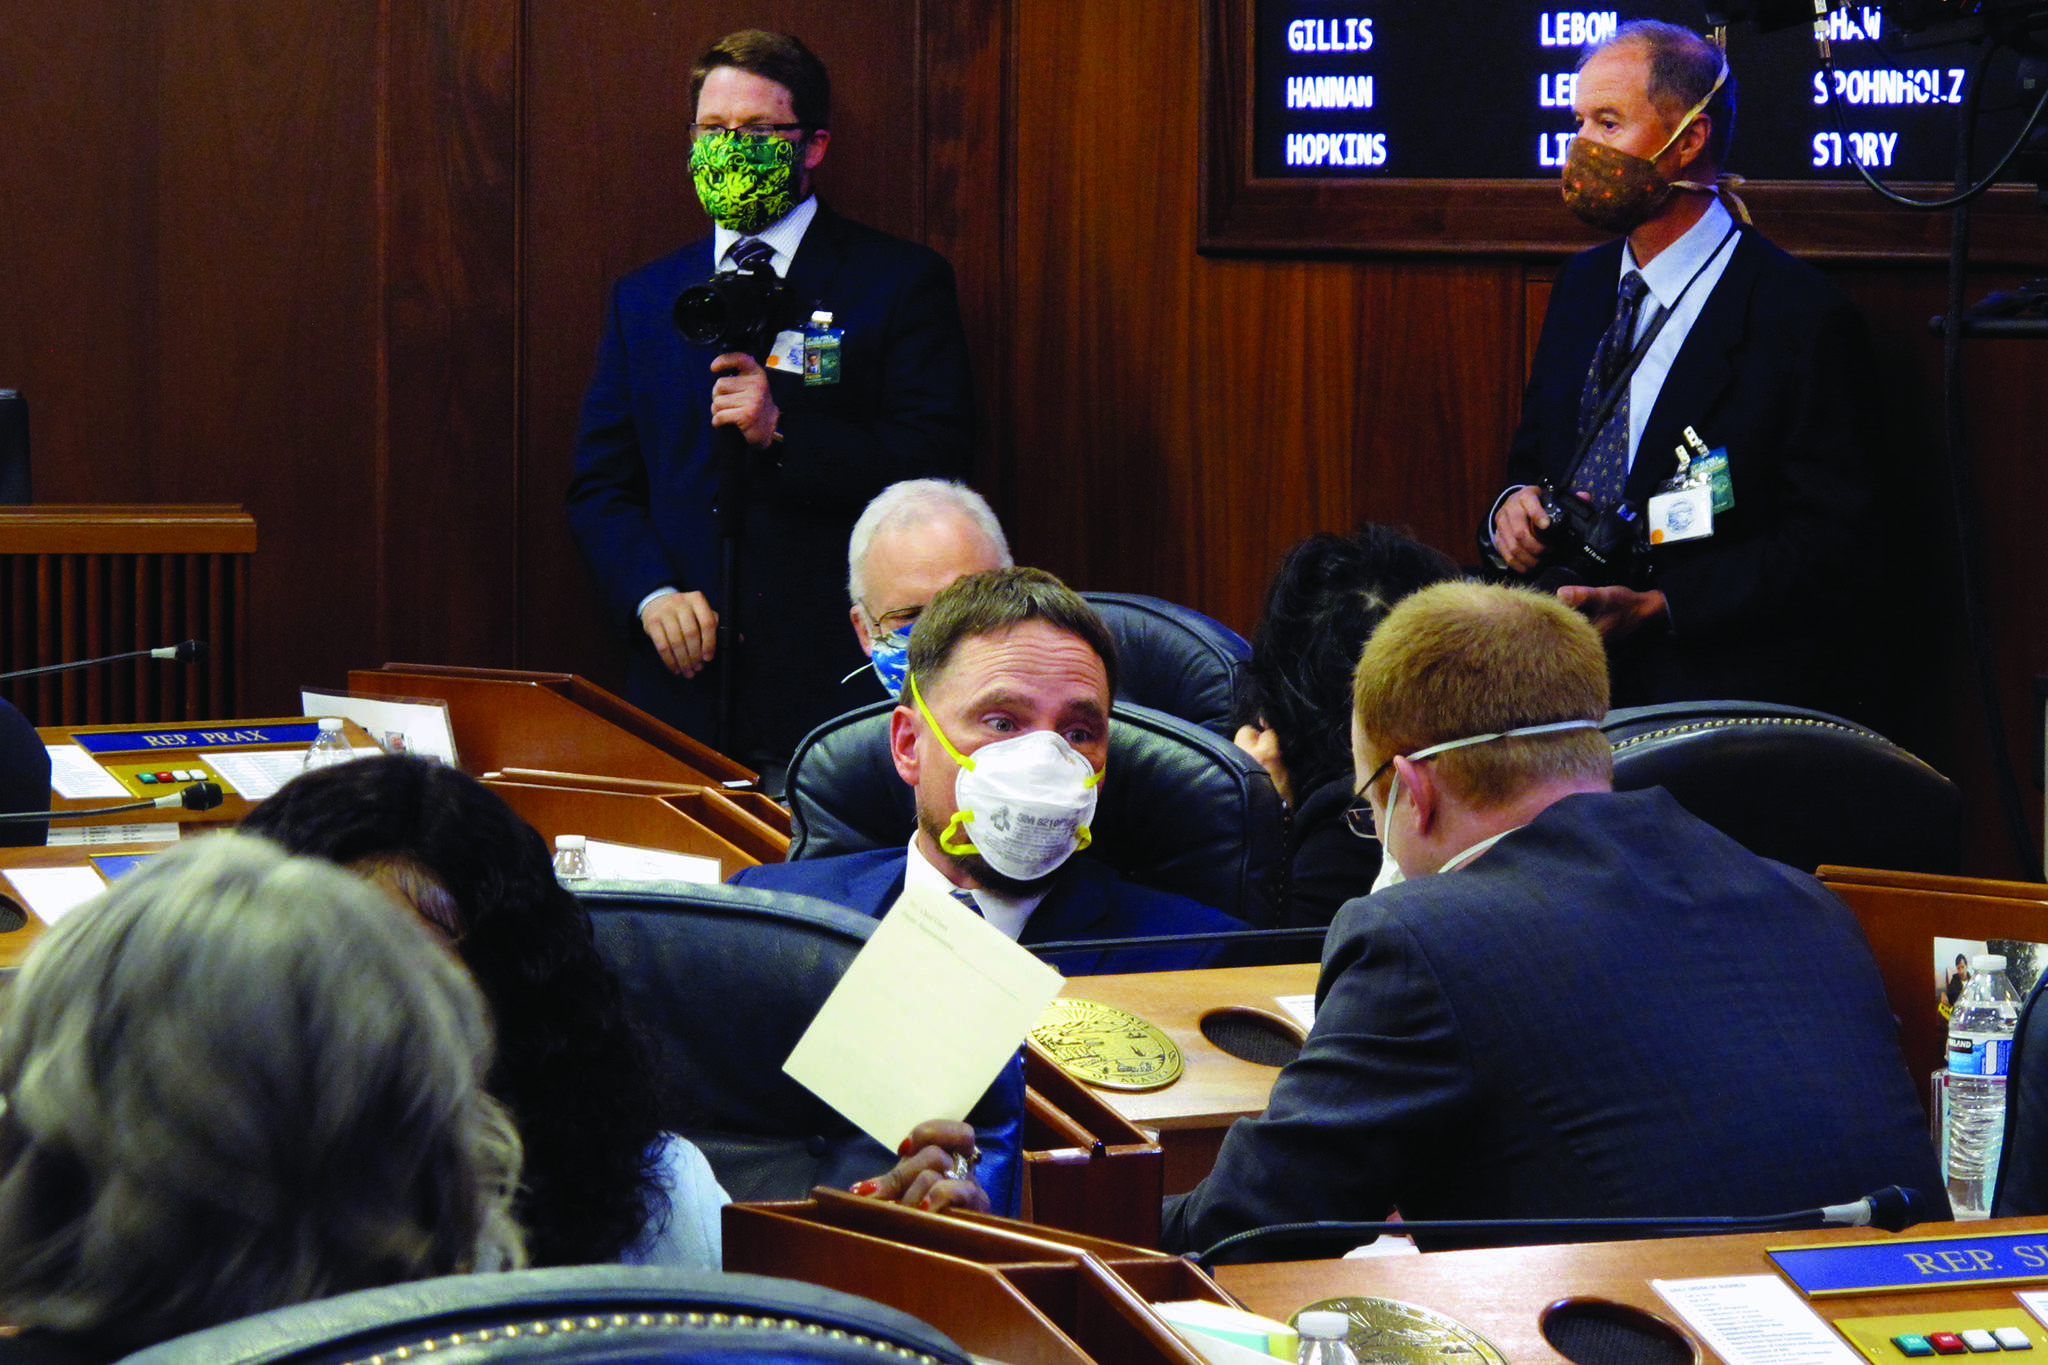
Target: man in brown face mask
x=1696, y=412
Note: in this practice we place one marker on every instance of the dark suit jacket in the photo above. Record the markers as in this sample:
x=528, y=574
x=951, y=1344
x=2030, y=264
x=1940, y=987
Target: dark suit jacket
x=1777, y=368
x=1088, y=901
x=646, y=480
x=1616, y=1010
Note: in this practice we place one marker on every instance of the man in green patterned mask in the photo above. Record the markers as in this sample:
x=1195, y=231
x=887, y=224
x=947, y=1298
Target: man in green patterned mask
x=646, y=480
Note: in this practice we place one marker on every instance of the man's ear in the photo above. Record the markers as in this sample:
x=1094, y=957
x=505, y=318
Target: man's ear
x=860, y=632
x=1692, y=142
x=903, y=743
x=1424, y=798
x=814, y=148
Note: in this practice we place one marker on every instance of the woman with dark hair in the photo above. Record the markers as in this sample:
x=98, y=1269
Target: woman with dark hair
x=1294, y=699
x=603, y=1181
x=236, y=1081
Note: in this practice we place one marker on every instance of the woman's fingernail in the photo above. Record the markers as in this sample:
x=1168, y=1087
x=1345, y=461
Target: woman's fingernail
x=865, y=1187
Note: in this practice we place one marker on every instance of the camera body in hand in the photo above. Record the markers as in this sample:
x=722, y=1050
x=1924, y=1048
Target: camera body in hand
x=1584, y=544
x=736, y=310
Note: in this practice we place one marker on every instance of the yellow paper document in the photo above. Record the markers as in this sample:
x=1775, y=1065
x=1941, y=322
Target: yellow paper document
x=924, y=1020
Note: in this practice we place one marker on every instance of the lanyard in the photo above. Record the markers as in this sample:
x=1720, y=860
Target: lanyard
x=1612, y=398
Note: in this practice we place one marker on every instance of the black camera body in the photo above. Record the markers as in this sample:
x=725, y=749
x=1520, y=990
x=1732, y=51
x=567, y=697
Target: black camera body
x=1584, y=544
x=736, y=310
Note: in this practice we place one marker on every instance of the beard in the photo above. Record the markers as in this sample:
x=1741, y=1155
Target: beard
x=974, y=865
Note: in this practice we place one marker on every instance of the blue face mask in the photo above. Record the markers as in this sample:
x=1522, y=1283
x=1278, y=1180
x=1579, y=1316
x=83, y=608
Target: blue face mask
x=890, y=660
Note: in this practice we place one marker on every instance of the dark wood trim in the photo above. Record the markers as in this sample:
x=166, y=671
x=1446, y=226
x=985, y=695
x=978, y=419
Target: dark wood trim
x=1243, y=214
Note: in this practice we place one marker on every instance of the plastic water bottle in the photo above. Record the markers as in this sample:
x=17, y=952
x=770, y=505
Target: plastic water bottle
x=1323, y=1339
x=572, y=859
x=329, y=747
x=1979, y=1042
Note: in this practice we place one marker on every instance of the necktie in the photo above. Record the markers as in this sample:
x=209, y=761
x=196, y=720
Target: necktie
x=751, y=253
x=1605, y=468
x=966, y=898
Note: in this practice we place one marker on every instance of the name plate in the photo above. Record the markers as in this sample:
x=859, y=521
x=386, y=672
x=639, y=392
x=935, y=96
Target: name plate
x=1915, y=1263
x=224, y=737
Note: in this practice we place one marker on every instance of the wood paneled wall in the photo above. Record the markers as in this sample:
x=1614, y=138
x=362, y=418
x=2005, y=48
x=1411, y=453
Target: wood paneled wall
x=345, y=265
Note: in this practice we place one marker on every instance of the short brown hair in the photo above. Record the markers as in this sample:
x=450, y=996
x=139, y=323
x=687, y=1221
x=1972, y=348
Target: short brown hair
x=1460, y=659
x=993, y=601
x=778, y=57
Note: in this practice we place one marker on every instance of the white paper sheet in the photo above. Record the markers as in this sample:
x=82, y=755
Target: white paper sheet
x=154, y=832
x=76, y=774
x=924, y=1020
x=420, y=727
x=1755, y=1320
x=608, y=861
x=54, y=892
x=1299, y=1007
x=257, y=773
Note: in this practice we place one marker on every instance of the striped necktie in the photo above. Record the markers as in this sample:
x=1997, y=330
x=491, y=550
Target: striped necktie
x=751, y=254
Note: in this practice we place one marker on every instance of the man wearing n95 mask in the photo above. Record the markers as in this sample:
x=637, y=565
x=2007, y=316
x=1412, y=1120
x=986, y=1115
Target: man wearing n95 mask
x=1004, y=735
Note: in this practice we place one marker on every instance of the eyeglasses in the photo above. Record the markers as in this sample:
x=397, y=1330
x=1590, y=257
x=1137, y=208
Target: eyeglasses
x=1358, y=818
x=700, y=131
x=889, y=622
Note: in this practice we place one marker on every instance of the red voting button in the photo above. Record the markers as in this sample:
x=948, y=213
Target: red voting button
x=1947, y=1344
x=163, y=777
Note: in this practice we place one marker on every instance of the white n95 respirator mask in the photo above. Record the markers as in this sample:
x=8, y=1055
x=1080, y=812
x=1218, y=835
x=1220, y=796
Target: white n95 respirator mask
x=1022, y=804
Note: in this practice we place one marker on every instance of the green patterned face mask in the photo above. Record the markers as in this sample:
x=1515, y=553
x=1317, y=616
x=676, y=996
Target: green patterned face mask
x=745, y=183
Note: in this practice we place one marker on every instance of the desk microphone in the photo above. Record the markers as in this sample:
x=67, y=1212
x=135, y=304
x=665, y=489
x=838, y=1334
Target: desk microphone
x=185, y=652
x=1891, y=1208
x=198, y=796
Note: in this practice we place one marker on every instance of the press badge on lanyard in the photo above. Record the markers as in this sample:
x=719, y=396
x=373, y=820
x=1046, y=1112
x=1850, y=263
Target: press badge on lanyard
x=1683, y=507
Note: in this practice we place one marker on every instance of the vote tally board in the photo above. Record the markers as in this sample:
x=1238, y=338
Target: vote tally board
x=1482, y=89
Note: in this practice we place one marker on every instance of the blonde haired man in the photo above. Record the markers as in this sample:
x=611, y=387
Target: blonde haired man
x=1581, y=1002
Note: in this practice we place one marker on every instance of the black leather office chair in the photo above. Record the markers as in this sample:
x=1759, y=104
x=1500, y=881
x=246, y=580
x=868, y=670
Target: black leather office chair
x=1182, y=809
x=2022, y=1189
x=592, y=1315
x=723, y=981
x=1172, y=658
x=1803, y=787
x=24, y=779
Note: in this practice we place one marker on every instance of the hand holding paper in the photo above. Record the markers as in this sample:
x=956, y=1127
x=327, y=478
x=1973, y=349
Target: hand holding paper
x=924, y=1020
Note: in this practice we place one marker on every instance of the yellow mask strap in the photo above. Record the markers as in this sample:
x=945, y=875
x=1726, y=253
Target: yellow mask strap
x=963, y=847
x=1695, y=111
x=962, y=759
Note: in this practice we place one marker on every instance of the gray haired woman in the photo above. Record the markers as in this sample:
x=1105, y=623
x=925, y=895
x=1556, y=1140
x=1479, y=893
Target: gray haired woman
x=238, y=1080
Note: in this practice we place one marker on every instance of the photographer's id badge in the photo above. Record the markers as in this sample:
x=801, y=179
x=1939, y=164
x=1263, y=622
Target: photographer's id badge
x=788, y=353
x=1684, y=513
x=1715, y=467
x=1697, y=464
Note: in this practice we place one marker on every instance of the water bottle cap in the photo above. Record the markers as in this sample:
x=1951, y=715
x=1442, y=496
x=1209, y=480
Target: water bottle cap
x=1988, y=962
x=1323, y=1324
x=570, y=840
x=330, y=724
x=822, y=318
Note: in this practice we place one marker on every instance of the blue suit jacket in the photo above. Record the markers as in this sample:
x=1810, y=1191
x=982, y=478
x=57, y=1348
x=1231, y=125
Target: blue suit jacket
x=641, y=499
x=1616, y=1010
x=1778, y=369
x=1087, y=901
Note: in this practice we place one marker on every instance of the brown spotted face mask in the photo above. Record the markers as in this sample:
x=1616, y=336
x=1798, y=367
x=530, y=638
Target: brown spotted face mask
x=1618, y=191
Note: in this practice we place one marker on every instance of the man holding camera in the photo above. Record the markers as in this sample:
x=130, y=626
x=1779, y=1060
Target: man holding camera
x=1696, y=459
x=821, y=439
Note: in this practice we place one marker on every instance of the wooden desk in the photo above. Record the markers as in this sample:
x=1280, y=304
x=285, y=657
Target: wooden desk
x=1902, y=913
x=1503, y=1294
x=1217, y=1089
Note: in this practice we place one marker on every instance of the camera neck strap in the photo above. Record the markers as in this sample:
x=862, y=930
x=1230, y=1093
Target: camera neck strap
x=1611, y=399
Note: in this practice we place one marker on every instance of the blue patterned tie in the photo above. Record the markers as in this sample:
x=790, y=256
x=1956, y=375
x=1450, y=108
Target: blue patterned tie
x=751, y=253
x=1605, y=469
